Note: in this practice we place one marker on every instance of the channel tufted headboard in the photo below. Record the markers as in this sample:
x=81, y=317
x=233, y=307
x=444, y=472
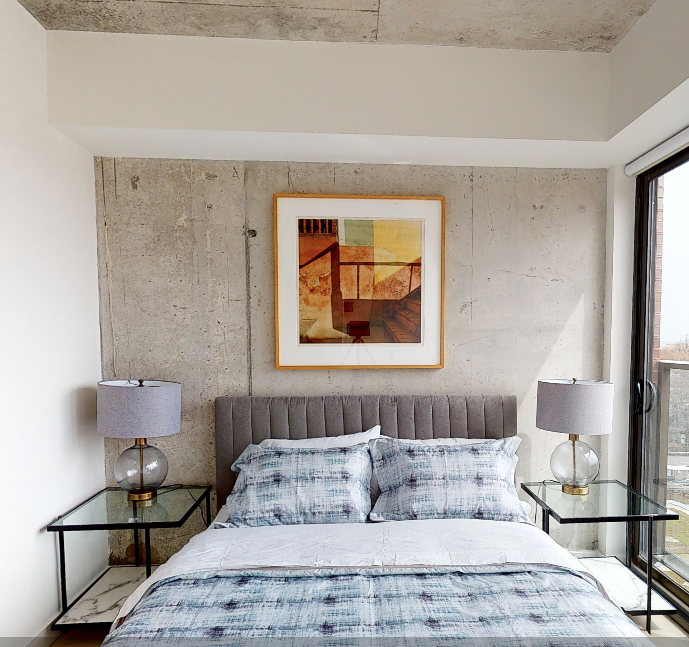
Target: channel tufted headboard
x=243, y=420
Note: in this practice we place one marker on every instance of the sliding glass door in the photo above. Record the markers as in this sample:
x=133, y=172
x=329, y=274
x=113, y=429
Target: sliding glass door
x=659, y=452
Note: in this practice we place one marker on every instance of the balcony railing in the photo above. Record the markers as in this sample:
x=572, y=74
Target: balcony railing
x=666, y=451
x=671, y=399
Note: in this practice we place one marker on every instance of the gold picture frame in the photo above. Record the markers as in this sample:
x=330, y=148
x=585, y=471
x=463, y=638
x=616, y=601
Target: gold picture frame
x=350, y=291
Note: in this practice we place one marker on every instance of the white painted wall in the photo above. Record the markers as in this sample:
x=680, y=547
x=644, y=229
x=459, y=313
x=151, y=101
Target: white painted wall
x=217, y=84
x=617, y=338
x=49, y=336
x=649, y=62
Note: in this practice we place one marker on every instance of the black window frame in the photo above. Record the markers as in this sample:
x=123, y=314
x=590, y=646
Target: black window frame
x=644, y=233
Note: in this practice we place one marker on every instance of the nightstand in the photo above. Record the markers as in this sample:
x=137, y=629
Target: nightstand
x=110, y=509
x=610, y=501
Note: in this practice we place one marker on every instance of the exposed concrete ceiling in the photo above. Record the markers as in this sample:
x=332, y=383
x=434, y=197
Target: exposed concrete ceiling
x=578, y=25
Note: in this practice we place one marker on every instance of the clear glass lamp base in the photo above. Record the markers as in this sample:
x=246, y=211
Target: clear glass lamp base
x=574, y=464
x=141, y=470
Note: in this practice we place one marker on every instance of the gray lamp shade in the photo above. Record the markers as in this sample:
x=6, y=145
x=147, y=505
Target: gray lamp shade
x=583, y=408
x=128, y=410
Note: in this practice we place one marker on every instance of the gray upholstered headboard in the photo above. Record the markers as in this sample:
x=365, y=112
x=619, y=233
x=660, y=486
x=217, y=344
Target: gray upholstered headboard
x=242, y=420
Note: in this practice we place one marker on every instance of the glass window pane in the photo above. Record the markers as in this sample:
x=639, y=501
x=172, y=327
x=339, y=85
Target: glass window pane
x=666, y=425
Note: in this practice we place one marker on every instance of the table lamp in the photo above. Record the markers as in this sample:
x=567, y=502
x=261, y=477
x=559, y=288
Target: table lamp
x=577, y=408
x=139, y=409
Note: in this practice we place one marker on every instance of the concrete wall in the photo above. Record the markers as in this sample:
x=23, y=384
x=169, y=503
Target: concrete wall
x=52, y=457
x=187, y=295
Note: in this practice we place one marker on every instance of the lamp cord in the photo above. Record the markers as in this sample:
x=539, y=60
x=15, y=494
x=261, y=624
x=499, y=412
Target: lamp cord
x=171, y=488
x=203, y=516
x=545, y=483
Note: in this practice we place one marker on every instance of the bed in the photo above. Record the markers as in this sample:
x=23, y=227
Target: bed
x=459, y=579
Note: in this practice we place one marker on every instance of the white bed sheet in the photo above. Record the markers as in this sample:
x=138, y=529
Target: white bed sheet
x=437, y=542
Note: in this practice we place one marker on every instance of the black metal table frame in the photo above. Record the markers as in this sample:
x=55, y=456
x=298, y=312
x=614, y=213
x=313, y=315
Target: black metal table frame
x=146, y=526
x=547, y=511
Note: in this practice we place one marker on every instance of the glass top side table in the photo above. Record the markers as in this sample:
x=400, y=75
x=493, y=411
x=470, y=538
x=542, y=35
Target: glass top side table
x=110, y=509
x=606, y=501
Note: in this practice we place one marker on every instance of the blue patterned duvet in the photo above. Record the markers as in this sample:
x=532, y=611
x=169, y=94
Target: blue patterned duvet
x=494, y=605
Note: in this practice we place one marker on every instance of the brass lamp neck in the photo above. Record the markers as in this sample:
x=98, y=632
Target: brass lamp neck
x=573, y=437
x=142, y=495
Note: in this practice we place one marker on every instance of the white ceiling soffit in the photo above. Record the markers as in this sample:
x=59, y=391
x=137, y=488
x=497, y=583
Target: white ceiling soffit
x=664, y=120
x=219, y=84
x=324, y=147
x=514, y=119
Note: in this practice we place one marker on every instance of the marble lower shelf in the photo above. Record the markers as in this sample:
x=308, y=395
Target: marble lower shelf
x=625, y=589
x=103, y=600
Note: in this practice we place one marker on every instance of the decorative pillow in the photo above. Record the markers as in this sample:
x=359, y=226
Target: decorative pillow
x=432, y=442
x=345, y=440
x=471, y=481
x=294, y=486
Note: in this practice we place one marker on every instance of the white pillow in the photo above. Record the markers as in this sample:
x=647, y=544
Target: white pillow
x=458, y=441
x=346, y=440
x=444, y=441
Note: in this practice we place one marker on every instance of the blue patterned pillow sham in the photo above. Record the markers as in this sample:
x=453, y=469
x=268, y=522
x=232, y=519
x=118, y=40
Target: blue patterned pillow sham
x=445, y=481
x=304, y=485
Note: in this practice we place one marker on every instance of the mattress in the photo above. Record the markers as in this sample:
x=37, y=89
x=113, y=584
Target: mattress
x=447, y=579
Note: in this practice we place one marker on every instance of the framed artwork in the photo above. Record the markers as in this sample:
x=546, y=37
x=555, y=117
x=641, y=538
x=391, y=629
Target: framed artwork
x=359, y=281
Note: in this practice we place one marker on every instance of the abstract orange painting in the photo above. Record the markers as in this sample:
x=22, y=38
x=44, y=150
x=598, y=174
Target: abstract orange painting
x=359, y=281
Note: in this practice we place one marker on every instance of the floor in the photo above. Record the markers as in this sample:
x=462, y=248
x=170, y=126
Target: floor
x=663, y=627
x=80, y=638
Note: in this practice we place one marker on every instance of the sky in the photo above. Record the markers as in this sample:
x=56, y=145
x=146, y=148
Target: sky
x=674, y=319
